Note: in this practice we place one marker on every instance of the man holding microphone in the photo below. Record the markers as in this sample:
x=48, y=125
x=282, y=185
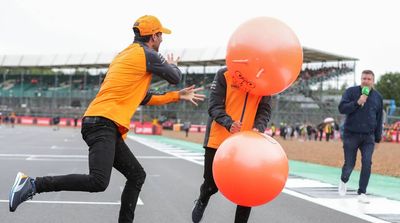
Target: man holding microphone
x=362, y=106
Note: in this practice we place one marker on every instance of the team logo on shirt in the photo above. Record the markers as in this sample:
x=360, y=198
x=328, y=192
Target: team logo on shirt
x=213, y=85
x=240, y=82
x=161, y=58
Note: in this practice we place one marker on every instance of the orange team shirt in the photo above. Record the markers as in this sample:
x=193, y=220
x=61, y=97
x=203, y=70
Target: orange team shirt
x=127, y=82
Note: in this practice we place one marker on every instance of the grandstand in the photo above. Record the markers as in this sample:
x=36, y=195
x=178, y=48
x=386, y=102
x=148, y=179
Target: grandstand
x=48, y=85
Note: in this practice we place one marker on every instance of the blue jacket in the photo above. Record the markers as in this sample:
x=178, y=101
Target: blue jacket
x=365, y=119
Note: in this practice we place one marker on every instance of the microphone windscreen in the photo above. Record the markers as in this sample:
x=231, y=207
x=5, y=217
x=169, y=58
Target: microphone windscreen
x=365, y=91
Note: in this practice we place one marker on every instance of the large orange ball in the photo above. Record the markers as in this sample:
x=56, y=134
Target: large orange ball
x=250, y=168
x=264, y=56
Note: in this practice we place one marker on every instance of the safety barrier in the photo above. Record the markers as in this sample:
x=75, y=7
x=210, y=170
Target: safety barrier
x=146, y=128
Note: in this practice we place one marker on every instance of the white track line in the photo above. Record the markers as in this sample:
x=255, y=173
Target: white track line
x=70, y=158
x=139, y=202
x=70, y=202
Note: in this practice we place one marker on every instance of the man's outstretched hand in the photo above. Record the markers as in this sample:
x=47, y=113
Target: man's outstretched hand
x=189, y=94
x=172, y=60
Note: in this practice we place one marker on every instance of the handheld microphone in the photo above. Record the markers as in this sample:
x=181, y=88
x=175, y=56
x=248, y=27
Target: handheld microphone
x=365, y=91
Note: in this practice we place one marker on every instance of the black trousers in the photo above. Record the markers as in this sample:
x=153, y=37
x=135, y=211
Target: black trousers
x=208, y=188
x=107, y=149
x=352, y=142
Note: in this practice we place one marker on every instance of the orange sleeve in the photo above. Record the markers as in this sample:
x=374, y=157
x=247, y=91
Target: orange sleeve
x=169, y=97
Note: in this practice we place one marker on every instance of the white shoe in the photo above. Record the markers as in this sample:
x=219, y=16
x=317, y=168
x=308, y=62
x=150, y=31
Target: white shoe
x=363, y=198
x=342, y=189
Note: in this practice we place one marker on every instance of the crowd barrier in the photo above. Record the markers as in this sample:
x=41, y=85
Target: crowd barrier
x=146, y=128
x=193, y=128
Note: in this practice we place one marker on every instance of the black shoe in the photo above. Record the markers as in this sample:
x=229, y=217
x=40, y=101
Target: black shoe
x=22, y=190
x=198, y=211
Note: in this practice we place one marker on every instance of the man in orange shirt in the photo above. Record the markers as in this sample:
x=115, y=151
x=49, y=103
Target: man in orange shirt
x=226, y=116
x=106, y=121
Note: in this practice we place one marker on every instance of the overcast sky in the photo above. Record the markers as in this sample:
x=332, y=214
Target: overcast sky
x=365, y=29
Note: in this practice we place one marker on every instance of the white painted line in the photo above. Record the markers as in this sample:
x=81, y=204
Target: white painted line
x=54, y=147
x=153, y=145
x=378, y=205
x=49, y=157
x=74, y=202
x=175, y=150
x=43, y=155
x=56, y=157
x=85, y=159
x=293, y=183
x=342, y=209
x=156, y=157
x=57, y=160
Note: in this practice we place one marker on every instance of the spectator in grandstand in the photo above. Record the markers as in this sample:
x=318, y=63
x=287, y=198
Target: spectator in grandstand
x=389, y=134
x=335, y=129
x=315, y=132
x=290, y=131
x=362, y=129
x=13, y=118
x=155, y=124
x=107, y=119
x=6, y=119
x=328, y=131
x=303, y=132
x=56, y=122
x=75, y=121
x=297, y=131
x=320, y=128
x=283, y=130
x=186, y=128
x=309, y=130
x=273, y=130
x=225, y=118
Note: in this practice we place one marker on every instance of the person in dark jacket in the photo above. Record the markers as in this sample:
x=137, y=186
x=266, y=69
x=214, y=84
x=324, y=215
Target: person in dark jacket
x=362, y=129
x=226, y=117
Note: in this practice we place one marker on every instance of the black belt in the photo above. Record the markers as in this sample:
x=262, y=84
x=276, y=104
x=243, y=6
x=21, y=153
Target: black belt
x=94, y=119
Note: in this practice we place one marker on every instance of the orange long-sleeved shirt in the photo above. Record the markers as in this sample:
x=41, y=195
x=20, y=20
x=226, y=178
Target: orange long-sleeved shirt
x=127, y=82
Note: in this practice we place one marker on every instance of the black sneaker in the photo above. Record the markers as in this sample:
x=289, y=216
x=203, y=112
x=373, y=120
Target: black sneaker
x=22, y=190
x=198, y=211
